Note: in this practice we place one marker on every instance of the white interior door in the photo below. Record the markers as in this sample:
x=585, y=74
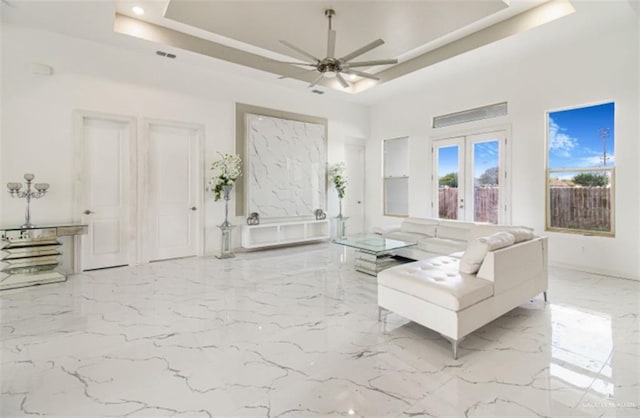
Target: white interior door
x=469, y=178
x=105, y=191
x=354, y=198
x=173, y=184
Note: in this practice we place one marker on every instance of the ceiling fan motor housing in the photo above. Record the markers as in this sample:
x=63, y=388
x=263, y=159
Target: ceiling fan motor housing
x=329, y=64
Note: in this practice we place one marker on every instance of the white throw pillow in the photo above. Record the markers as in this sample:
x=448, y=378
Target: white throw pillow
x=521, y=234
x=477, y=250
x=498, y=240
x=473, y=256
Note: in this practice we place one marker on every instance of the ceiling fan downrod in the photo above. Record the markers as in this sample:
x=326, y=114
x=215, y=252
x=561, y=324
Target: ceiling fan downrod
x=329, y=13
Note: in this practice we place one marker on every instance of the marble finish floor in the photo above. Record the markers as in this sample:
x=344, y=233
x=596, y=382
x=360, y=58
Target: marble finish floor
x=294, y=333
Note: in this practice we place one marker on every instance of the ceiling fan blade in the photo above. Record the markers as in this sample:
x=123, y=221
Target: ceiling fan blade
x=360, y=73
x=362, y=50
x=301, y=51
x=295, y=74
x=331, y=44
x=317, y=80
x=289, y=62
x=342, y=81
x=369, y=63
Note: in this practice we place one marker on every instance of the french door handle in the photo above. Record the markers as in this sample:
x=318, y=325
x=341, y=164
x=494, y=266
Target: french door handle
x=194, y=208
x=87, y=212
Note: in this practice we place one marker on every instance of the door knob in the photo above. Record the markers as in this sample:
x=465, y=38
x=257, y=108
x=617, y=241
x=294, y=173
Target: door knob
x=193, y=208
x=87, y=212
x=359, y=202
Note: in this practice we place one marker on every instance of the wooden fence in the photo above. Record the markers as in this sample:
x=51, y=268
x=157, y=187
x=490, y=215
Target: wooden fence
x=486, y=202
x=580, y=208
x=586, y=208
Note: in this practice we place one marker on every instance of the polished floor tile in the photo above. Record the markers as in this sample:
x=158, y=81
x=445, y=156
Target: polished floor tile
x=294, y=333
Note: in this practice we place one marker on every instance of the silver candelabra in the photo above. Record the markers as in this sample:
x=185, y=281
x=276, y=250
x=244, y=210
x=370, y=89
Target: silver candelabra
x=41, y=190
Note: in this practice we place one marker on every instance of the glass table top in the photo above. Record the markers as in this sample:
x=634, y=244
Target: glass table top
x=374, y=244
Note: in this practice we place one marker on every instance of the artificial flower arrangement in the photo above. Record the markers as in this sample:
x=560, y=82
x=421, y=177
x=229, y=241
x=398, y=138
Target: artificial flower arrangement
x=228, y=169
x=337, y=176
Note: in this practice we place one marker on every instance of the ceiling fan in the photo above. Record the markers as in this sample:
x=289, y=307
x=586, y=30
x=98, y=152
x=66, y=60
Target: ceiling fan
x=338, y=65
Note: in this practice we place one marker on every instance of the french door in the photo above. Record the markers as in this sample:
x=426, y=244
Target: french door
x=469, y=175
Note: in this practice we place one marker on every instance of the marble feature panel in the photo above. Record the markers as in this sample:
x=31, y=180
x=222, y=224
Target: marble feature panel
x=293, y=332
x=286, y=170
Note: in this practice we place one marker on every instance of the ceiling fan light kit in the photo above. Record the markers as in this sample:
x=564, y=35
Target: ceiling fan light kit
x=331, y=64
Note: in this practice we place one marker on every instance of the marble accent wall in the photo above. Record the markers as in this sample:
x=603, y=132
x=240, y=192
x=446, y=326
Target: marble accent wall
x=286, y=166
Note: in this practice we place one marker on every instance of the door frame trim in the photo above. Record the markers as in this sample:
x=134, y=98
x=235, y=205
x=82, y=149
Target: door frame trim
x=143, y=183
x=78, y=171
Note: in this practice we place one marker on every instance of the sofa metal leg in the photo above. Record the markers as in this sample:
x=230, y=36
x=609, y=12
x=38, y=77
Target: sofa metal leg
x=454, y=345
x=545, y=295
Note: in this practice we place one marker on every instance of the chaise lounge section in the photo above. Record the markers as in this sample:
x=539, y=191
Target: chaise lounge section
x=457, y=294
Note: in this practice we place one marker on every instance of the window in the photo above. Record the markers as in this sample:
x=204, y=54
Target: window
x=580, y=169
x=396, y=177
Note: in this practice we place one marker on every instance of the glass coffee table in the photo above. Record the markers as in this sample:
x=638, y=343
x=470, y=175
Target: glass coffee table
x=374, y=253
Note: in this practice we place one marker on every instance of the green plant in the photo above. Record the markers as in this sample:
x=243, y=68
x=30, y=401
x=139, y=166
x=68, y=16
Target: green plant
x=339, y=180
x=590, y=179
x=228, y=169
x=449, y=180
x=490, y=176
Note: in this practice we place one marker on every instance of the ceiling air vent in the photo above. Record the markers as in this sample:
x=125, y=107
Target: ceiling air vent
x=479, y=113
x=165, y=54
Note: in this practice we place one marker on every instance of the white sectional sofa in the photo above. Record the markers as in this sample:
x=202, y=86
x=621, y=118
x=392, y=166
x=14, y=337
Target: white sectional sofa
x=487, y=271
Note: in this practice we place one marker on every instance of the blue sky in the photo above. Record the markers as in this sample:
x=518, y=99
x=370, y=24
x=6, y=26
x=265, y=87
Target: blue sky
x=485, y=156
x=574, y=136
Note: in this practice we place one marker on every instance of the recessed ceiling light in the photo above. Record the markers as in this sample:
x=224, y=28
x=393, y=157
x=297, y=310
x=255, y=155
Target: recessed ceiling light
x=137, y=10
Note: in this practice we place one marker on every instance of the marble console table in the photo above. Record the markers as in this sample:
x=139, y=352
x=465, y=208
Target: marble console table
x=29, y=256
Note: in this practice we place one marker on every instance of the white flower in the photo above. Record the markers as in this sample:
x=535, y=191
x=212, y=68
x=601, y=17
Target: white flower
x=229, y=169
x=336, y=175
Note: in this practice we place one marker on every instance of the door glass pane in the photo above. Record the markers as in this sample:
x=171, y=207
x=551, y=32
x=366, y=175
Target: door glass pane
x=486, y=187
x=448, y=169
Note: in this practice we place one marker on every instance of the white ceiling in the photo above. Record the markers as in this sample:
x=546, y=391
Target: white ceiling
x=419, y=33
x=403, y=25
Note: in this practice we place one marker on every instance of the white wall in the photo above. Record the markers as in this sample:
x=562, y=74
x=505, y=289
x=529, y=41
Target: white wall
x=544, y=69
x=37, y=118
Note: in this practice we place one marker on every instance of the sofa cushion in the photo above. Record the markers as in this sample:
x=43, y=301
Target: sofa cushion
x=451, y=229
x=405, y=236
x=385, y=229
x=477, y=250
x=420, y=226
x=437, y=281
x=441, y=245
